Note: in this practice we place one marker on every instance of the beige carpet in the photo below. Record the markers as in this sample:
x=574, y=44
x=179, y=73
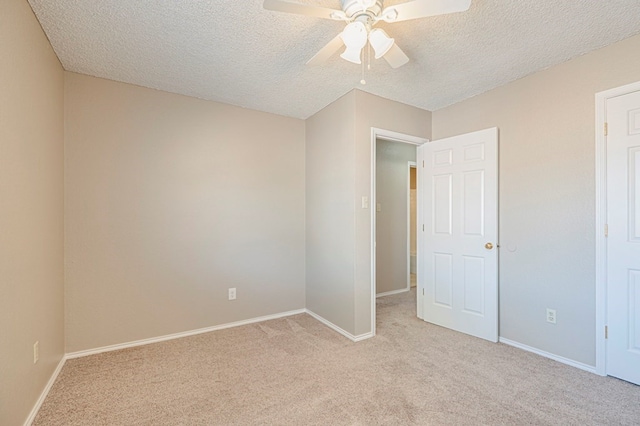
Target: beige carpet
x=296, y=371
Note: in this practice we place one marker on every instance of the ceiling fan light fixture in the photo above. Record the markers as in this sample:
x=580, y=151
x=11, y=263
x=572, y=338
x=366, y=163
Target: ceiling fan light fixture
x=381, y=42
x=361, y=16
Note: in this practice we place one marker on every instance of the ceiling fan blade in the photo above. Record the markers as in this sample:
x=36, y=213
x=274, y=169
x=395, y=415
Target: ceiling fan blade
x=422, y=9
x=327, y=51
x=304, y=9
x=396, y=57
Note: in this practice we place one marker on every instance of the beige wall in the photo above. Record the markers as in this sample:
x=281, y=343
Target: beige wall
x=392, y=234
x=31, y=210
x=330, y=212
x=547, y=193
x=170, y=201
x=338, y=229
x=374, y=111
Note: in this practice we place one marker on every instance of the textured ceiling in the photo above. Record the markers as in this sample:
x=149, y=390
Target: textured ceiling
x=236, y=52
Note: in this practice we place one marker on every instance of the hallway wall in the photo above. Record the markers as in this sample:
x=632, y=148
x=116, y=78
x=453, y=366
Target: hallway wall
x=392, y=219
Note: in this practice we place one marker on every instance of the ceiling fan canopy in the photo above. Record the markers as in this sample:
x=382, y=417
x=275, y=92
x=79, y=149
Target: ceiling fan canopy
x=361, y=16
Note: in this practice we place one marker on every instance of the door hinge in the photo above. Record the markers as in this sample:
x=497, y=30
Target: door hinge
x=423, y=291
x=423, y=227
x=423, y=164
x=606, y=230
x=606, y=129
x=606, y=331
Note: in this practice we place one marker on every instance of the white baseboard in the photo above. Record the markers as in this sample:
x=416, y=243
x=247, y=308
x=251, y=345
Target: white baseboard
x=361, y=337
x=45, y=392
x=389, y=293
x=334, y=327
x=576, y=364
x=142, y=342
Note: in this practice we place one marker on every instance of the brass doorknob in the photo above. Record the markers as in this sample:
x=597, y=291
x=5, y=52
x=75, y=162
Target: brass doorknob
x=488, y=246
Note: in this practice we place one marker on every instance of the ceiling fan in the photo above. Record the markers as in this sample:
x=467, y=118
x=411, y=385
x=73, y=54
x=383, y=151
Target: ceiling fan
x=361, y=16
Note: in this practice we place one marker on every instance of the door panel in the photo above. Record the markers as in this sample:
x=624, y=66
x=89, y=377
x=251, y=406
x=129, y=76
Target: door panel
x=442, y=204
x=623, y=242
x=634, y=192
x=634, y=311
x=460, y=216
x=474, y=153
x=443, y=275
x=473, y=284
x=443, y=158
x=473, y=203
x=634, y=122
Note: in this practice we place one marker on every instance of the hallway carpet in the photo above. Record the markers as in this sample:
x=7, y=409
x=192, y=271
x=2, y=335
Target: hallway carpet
x=296, y=371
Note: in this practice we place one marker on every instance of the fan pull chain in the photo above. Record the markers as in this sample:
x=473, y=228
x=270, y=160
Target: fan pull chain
x=368, y=60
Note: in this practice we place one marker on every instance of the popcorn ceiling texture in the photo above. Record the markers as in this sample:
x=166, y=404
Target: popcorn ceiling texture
x=238, y=53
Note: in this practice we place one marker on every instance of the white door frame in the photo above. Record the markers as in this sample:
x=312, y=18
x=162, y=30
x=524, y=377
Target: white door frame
x=601, y=220
x=410, y=165
x=392, y=136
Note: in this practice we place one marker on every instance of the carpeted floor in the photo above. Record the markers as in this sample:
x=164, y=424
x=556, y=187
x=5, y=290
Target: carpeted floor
x=296, y=371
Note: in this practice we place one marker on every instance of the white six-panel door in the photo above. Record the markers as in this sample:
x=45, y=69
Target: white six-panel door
x=623, y=242
x=459, y=197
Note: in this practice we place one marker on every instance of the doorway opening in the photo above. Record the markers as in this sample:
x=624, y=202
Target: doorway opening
x=393, y=217
x=391, y=231
x=412, y=229
x=457, y=210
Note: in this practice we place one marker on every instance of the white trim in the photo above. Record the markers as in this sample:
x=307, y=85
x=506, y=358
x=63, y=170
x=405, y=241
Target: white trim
x=601, y=219
x=392, y=292
x=563, y=360
x=392, y=136
x=143, y=342
x=420, y=270
x=374, y=202
x=45, y=392
x=601, y=244
x=389, y=135
x=340, y=330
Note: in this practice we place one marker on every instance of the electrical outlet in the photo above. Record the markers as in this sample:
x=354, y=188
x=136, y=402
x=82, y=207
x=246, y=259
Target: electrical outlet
x=551, y=316
x=232, y=293
x=36, y=352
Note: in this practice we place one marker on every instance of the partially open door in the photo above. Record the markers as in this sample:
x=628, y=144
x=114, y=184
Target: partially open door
x=458, y=236
x=623, y=241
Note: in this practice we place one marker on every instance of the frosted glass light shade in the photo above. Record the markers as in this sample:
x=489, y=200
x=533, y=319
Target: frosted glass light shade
x=355, y=35
x=355, y=38
x=352, y=55
x=381, y=42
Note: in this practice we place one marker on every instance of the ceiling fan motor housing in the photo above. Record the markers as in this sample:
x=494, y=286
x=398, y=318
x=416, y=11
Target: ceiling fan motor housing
x=353, y=8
